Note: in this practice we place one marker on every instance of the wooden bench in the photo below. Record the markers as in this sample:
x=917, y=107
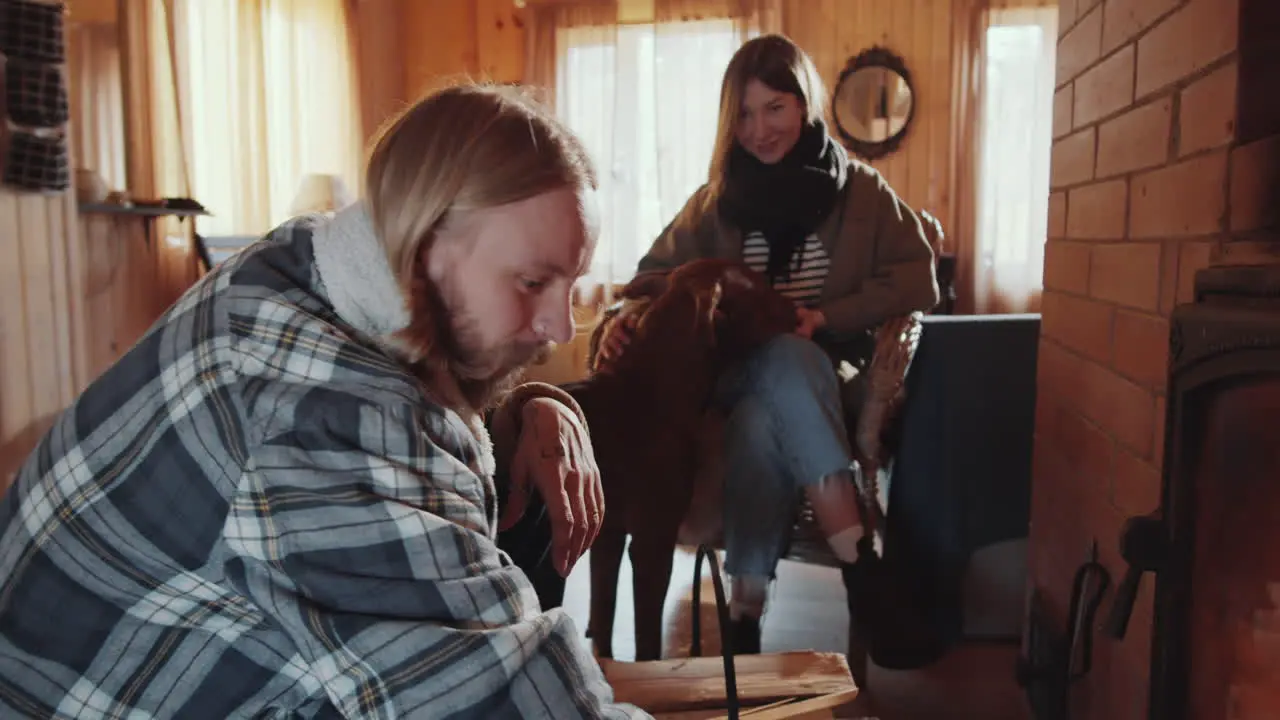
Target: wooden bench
x=770, y=686
x=775, y=686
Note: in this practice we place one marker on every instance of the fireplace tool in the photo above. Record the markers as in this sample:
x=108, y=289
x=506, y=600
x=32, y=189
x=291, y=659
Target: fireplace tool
x=1087, y=589
x=1050, y=661
x=1143, y=546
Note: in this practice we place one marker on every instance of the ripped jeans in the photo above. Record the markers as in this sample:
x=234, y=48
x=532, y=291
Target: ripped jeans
x=784, y=429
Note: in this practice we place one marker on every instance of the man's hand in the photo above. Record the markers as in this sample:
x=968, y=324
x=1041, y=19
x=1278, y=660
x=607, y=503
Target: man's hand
x=554, y=456
x=809, y=320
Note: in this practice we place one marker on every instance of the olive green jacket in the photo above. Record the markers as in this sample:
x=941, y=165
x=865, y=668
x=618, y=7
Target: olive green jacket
x=881, y=265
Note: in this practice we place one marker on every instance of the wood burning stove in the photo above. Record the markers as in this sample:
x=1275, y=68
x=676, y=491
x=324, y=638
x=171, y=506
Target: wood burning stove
x=1214, y=545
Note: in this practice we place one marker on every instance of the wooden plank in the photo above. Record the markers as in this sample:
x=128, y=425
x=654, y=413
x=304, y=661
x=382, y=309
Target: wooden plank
x=33, y=238
x=939, y=197
x=900, y=38
x=832, y=31
x=94, y=11
x=380, y=66
x=137, y=272
x=15, y=397
x=500, y=40
x=698, y=683
x=710, y=714
x=74, y=288
x=36, y=370
x=925, y=101
x=878, y=31
x=101, y=267
x=61, y=227
x=450, y=54
x=822, y=706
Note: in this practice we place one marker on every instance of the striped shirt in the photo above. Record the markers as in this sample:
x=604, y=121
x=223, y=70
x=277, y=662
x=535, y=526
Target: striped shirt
x=804, y=285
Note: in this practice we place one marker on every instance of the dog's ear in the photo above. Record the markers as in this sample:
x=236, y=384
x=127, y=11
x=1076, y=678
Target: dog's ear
x=738, y=277
x=646, y=285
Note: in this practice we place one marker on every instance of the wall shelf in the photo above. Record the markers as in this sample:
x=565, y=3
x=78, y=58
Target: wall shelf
x=138, y=211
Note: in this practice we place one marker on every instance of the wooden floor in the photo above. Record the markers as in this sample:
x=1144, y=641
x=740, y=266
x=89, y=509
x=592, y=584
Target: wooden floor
x=807, y=612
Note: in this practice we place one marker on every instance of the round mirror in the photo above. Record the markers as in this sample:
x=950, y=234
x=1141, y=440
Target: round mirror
x=873, y=104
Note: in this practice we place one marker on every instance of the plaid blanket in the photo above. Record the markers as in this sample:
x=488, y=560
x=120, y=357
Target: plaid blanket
x=255, y=513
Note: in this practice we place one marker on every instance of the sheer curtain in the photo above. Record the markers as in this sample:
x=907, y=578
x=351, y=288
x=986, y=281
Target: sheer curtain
x=269, y=97
x=156, y=138
x=588, y=57
x=1005, y=80
x=97, y=100
x=643, y=93
x=1013, y=215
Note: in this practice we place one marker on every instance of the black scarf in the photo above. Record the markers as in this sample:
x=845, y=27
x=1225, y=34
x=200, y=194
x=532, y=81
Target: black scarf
x=786, y=201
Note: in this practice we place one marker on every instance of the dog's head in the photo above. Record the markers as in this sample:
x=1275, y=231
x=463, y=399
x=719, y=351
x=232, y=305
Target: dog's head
x=749, y=312
x=710, y=309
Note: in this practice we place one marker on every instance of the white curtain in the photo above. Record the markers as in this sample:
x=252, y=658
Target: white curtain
x=643, y=93
x=1016, y=109
x=644, y=98
x=269, y=98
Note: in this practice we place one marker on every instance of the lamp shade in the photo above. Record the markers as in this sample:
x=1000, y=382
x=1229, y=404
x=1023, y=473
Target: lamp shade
x=319, y=192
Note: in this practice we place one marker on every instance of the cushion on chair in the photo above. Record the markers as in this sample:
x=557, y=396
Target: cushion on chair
x=882, y=399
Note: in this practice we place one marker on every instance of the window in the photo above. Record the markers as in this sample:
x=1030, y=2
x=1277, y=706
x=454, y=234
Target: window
x=644, y=98
x=269, y=99
x=1017, y=135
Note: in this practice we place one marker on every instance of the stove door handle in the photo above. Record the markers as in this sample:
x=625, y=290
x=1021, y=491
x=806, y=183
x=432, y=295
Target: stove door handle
x=1144, y=546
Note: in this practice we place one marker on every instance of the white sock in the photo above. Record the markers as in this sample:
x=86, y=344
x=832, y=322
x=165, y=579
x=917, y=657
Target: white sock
x=845, y=543
x=747, y=595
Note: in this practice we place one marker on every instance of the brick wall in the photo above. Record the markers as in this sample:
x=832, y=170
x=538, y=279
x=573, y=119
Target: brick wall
x=1150, y=182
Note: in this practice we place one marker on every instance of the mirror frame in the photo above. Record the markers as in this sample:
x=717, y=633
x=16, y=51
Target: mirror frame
x=875, y=56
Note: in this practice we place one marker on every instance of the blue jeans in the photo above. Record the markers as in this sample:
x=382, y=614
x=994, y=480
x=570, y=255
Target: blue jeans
x=785, y=429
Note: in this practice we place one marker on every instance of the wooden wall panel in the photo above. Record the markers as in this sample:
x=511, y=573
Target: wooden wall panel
x=94, y=11
x=76, y=292
x=499, y=40
x=443, y=39
x=41, y=368
x=131, y=278
x=381, y=65
x=833, y=31
x=439, y=42
x=447, y=39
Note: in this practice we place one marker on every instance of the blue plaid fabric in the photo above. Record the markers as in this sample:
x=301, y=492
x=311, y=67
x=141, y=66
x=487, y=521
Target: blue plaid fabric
x=256, y=514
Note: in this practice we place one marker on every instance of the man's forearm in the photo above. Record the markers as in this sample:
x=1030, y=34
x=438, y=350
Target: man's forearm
x=505, y=421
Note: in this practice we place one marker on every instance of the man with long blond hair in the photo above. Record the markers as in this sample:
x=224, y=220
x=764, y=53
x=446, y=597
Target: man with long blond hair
x=281, y=501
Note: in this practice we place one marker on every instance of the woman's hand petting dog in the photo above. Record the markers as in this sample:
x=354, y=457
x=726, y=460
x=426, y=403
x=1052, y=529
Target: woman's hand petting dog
x=618, y=336
x=809, y=321
x=554, y=456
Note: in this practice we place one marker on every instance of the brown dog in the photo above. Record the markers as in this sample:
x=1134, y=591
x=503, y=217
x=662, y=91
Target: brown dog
x=645, y=412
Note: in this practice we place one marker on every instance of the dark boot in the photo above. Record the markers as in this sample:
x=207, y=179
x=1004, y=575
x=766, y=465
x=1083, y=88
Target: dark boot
x=744, y=633
x=891, y=618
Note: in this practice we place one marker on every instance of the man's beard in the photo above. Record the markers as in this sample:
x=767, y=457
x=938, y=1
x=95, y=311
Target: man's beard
x=486, y=375
x=443, y=338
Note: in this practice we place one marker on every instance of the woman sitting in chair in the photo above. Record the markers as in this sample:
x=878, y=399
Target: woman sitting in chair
x=830, y=234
